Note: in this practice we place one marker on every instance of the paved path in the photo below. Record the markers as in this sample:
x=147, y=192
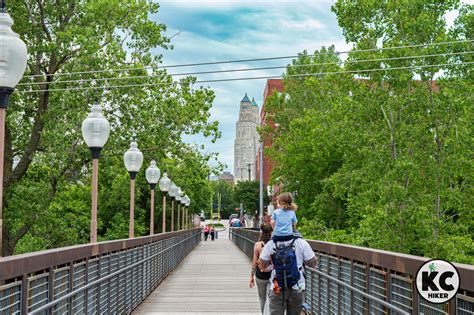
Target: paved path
x=212, y=279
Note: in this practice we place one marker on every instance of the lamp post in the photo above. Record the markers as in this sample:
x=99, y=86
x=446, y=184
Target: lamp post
x=95, y=131
x=13, y=58
x=173, y=191
x=152, y=174
x=187, y=212
x=183, y=220
x=165, y=184
x=179, y=212
x=133, y=160
x=178, y=197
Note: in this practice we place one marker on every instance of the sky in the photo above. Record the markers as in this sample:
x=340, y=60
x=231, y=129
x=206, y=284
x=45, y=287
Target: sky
x=217, y=30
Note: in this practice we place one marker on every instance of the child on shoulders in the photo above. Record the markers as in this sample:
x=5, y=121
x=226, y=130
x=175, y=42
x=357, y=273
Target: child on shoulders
x=284, y=218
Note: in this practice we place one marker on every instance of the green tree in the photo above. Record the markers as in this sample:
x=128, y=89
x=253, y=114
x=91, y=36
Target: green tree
x=228, y=204
x=248, y=193
x=45, y=155
x=381, y=158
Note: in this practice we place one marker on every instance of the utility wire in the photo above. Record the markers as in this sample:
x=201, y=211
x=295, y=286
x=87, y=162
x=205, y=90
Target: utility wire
x=243, y=79
x=243, y=70
x=249, y=60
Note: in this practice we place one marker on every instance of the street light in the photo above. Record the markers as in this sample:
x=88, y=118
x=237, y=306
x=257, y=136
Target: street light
x=152, y=174
x=173, y=192
x=133, y=160
x=165, y=184
x=187, y=208
x=95, y=131
x=178, y=197
x=183, y=220
x=13, y=58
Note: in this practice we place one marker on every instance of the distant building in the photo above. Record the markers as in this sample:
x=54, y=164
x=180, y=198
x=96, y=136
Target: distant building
x=246, y=140
x=271, y=86
x=228, y=177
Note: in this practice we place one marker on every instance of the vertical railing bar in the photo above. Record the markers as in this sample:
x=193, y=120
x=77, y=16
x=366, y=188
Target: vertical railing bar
x=415, y=296
x=86, y=280
x=328, y=305
x=352, y=283
x=367, y=285
x=24, y=295
x=388, y=287
x=452, y=306
x=319, y=285
x=97, y=288
x=71, y=285
x=339, y=299
x=50, y=287
x=109, y=284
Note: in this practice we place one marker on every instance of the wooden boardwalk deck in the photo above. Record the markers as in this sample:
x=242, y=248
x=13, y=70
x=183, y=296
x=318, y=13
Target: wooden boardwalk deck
x=212, y=279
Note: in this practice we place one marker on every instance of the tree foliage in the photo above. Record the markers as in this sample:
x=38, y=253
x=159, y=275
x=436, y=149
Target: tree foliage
x=383, y=158
x=47, y=165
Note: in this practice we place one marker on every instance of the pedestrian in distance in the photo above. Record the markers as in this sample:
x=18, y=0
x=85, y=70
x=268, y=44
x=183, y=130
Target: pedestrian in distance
x=261, y=277
x=212, y=231
x=206, y=232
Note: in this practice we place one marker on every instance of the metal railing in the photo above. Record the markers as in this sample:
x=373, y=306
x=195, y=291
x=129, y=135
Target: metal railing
x=357, y=280
x=104, y=278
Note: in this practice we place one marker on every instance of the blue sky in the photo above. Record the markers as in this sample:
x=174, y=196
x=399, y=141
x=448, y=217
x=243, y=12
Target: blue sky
x=214, y=30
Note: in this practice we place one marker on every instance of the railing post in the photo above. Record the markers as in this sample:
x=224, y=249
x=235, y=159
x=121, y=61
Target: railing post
x=71, y=285
x=24, y=295
x=50, y=287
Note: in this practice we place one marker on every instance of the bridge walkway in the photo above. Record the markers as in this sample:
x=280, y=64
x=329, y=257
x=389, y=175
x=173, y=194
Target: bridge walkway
x=213, y=278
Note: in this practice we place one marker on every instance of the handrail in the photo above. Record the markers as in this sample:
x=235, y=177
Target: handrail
x=92, y=277
x=17, y=265
x=398, y=262
x=387, y=277
x=368, y=296
x=98, y=281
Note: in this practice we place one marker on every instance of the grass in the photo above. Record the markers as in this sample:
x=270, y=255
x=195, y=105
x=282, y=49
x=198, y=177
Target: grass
x=216, y=225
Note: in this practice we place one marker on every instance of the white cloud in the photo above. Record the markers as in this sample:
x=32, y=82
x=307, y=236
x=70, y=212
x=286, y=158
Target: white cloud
x=226, y=30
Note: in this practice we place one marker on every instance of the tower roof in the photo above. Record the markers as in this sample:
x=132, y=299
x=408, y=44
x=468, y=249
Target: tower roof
x=253, y=102
x=245, y=99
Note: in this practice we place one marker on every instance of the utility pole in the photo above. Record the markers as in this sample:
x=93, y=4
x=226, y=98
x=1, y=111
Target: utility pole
x=219, y=198
x=249, y=170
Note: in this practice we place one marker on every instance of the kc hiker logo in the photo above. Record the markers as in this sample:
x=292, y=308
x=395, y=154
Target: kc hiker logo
x=437, y=281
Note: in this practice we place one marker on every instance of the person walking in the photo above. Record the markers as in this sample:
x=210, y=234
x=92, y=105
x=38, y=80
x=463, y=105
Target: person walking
x=261, y=278
x=212, y=231
x=287, y=258
x=206, y=232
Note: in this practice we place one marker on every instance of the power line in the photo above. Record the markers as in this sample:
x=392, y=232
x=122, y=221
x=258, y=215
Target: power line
x=248, y=60
x=243, y=70
x=242, y=79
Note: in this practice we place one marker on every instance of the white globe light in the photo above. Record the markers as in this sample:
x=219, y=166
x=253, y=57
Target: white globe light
x=152, y=173
x=173, y=190
x=133, y=158
x=165, y=183
x=179, y=194
x=13, y=55
x=95, y=128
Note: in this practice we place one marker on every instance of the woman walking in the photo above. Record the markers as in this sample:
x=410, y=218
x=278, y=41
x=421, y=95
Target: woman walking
x=206, y=232
x=262, y=276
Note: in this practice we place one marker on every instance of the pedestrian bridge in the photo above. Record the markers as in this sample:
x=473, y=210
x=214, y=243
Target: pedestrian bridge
x=176, y=273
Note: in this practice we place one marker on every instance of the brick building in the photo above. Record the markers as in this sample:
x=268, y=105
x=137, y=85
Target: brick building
x=271, y=86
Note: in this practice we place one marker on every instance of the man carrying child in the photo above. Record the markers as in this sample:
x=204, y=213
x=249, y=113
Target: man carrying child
x=288, y=253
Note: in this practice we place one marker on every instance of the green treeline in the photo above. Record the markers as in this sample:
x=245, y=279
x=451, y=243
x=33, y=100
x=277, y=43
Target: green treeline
x=383, y=159
x=47, y=195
